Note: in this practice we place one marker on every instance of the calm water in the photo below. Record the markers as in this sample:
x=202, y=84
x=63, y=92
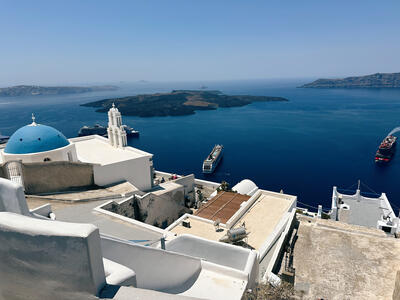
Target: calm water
x=319, y=139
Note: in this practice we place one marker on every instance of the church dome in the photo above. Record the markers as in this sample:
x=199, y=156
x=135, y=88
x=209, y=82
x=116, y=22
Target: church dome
x=245, y=187
x=35, y=138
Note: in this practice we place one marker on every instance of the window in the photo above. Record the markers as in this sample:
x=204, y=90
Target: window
x=69, y=156
x=47, y=159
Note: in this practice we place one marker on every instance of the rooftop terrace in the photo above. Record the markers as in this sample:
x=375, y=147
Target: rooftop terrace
x=263, y=216
x=223, y=206
x=260, y=218
x=105, y=154
x=82, y=212
x=334, y=260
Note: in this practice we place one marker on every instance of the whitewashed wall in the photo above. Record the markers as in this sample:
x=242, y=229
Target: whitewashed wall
x=60, y=154
x=136, y=171
x=38, y=259
x=167, y=271
x=235, y=257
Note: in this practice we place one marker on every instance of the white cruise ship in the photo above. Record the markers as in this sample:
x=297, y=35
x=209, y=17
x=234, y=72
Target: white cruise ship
x=212, y=160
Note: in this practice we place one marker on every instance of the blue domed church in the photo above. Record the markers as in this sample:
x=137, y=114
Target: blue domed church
x=38, y=143
x=41, y=158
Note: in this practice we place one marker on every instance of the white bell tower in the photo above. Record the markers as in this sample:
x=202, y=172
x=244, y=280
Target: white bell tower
x=115, y=130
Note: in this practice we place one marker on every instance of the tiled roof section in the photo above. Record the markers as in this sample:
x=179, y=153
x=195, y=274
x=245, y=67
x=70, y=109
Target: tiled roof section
x=223, y=206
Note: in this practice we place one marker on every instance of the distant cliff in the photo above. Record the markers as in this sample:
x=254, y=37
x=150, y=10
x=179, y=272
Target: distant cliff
x=176, y=103
x=378, y=80
x=34, y=90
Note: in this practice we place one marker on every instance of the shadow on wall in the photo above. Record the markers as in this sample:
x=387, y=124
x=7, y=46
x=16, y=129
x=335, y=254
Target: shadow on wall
x=49, y=177
x=3, y=173
x=159, y=211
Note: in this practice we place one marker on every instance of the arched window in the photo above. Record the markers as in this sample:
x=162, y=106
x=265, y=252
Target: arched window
x=46, y=159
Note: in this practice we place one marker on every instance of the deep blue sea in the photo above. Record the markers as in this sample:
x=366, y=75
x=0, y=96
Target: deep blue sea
x=320, y=138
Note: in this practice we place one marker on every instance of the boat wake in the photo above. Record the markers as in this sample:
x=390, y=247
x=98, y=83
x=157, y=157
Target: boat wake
x=397, y=129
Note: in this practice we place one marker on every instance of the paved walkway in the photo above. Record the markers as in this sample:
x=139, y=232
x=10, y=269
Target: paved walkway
x=334, y=260
x=100, y=193
x=83, y=213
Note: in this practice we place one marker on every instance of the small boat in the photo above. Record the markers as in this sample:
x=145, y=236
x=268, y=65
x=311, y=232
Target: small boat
x=130, y=132
x=96, y=129
x=3, y=138
x=213, y=159
x=386, y=149
x=102, y=131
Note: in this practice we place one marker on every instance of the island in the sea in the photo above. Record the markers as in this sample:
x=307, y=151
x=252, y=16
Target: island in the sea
x=34, y=90
x=378, y=80
x=176, y=103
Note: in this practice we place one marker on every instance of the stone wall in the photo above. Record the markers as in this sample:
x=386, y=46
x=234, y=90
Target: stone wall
x=127, y=208
x=157, y=210
x=162, y=211
x=56, y=176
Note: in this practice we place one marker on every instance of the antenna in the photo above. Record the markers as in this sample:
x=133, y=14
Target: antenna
x=358, y=184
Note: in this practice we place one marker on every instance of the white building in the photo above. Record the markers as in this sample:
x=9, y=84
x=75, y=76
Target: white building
x=113, y=161
x=364, y=211
x=38, y=143
x=115, y=164
x=49, y=259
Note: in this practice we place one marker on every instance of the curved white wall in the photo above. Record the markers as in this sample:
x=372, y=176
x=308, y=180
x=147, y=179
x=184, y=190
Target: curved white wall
x=60, y=154
x=245, y=187
x=39, y=258
x=167, y=271
x=223, y=254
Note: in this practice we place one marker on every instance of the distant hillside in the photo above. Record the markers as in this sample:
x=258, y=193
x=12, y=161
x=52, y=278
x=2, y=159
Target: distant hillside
x=378, y=80
x=34, y=90
x=176, y=103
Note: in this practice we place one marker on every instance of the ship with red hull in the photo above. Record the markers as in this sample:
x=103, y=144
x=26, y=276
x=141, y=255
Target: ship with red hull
x=386, y=149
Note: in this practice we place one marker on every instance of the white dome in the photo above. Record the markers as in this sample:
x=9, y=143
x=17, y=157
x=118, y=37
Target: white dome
x=245, y=187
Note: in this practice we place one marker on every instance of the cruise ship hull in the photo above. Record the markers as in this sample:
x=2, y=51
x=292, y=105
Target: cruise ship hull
x=102, y=131
x=213, y=160
x=214, y=166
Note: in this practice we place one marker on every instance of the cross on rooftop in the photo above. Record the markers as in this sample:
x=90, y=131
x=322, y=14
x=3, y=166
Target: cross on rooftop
x=33, y=120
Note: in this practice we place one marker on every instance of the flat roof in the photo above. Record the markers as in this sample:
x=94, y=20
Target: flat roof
x=200, y=228
x=222, y=206
x=335, y=260
x=86, y=194
x=263, y=216
x=165, y=187
x=364, y=211
x=82, y=212
x=260, y=220
x=97, y=150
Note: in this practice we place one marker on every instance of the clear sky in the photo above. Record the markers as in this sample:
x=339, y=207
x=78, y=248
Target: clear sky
x=56, y=42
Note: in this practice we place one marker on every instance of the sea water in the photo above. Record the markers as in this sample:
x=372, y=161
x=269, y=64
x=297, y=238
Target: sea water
x=319, y=139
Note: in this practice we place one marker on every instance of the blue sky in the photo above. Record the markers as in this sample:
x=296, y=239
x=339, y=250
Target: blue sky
x=56, y=42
